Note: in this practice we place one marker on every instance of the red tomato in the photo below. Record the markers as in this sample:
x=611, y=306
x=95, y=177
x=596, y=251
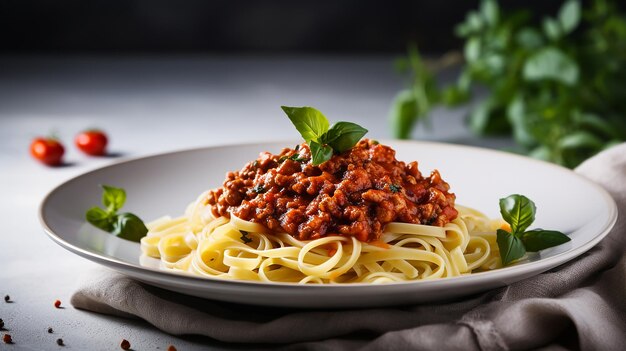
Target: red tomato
x=92, y=142
x=47, y=150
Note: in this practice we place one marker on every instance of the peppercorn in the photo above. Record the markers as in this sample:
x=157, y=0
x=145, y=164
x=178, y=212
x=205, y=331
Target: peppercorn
x=125, y=345
x=50, y=331
x=7, y=339
x=171, y=348
x=7, y=298
x=57, y=303
x=60, y=342
x=1, y=323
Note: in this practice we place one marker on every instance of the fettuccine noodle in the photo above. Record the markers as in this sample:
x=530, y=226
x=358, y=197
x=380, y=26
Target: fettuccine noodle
x=200, y=244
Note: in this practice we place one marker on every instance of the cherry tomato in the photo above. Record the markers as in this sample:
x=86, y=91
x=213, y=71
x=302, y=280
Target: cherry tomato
x=92, y=142
x=47, y=150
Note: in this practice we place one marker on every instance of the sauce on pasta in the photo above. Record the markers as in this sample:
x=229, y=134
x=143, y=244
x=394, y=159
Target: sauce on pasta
x=354, y=194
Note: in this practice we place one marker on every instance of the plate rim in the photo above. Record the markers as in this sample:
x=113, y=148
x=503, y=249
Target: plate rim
x=501, y=273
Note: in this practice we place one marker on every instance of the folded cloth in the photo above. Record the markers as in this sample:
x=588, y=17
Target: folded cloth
x=580, y=304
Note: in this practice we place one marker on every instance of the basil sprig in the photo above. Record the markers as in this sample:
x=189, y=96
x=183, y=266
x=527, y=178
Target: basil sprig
x=323, y=140
x=519, y=212
x=124, y=225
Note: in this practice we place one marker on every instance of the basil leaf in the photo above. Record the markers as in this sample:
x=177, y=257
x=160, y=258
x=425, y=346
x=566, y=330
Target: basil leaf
x=320, y=153
x=518, y=116
x=518, y=211
x=130, y=227
x=529, y=38
x=310, y=122
x=551, y=64
x=113, y=198
x=552, y=29
x=99, y=218
x=490, y=11
x=511, y=247
x=569, y=15
x=404, y=113
x=539, y=239
x=579, y=140
x=343, y=136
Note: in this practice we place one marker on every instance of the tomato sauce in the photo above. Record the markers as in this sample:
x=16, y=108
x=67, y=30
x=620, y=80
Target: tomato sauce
x=353, y=194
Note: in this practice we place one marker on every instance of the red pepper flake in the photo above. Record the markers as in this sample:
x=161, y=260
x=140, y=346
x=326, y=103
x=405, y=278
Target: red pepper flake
x=7, y=339
x=7, y=298
x=125, y=345
x=57, y=303
x=171, y=348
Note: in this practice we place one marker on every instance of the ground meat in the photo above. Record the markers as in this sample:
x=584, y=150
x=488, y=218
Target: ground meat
x=353, y=194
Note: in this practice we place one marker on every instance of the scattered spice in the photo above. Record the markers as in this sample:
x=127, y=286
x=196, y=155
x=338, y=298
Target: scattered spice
x=394, y=188
x=125, y=345
x=57, y=303
x=171, y=348
x=259, y=189
x=50, y=331
x=60, y=342
x=1, y=323
x=244, y=237
x=7, y=339
x=7, y=298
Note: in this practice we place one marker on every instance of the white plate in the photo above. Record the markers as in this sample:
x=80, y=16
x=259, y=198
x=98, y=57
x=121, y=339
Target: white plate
x=166, y=183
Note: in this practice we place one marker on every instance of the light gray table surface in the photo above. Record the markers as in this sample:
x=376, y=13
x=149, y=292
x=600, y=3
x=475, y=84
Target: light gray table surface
x=149, y=105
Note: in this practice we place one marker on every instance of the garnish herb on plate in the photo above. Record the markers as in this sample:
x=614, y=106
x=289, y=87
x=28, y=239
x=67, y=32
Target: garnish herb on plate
x=519, y=212
x=125, y=225
x=323, y=140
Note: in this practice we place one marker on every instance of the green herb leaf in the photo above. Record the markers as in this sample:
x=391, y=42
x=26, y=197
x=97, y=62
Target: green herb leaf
x=580, y=139
x=310, y=122
x=518, y=211
x=394, y=188
x=320, y=153
x=125, y=225
x=472, y=49
x=552, y=29
x=100, y=218
x=529, y=38
x=404, y=113
x=297, y=158
x=551, y=64
x=130, y=227
x=511, y=247
x=259, y=189
x=313, y=127
x=113, y=198
x=342, y=136
x=490, y=11
x=569, y=15
x=518, y=117
x=539, y=239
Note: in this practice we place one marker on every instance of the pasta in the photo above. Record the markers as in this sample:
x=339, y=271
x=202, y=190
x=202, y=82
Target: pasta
x=201, y=244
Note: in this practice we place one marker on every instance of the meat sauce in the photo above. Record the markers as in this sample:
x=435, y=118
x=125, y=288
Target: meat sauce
x=353, y=194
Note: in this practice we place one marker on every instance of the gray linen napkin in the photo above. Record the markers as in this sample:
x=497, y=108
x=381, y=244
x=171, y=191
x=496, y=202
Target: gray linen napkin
x=581, y=304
